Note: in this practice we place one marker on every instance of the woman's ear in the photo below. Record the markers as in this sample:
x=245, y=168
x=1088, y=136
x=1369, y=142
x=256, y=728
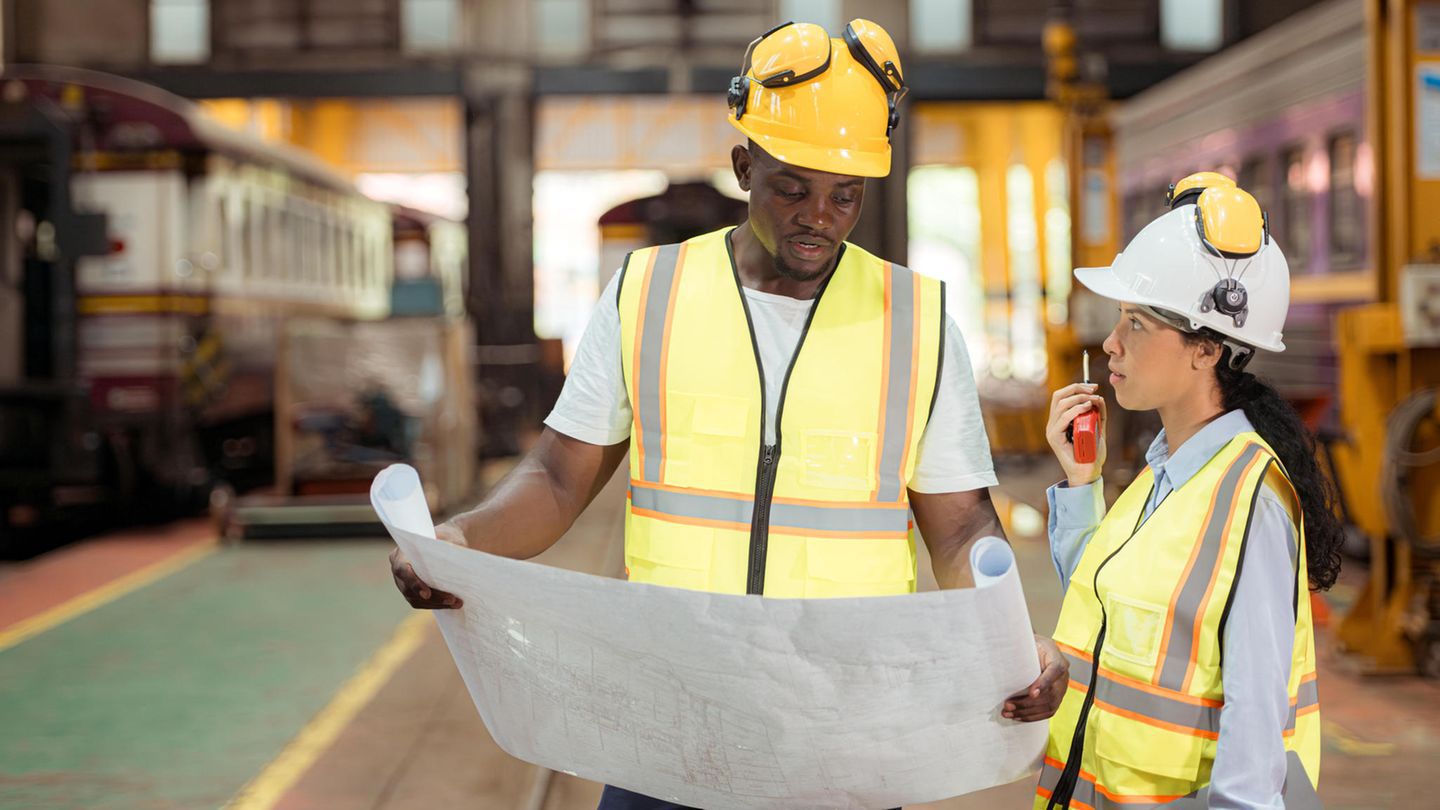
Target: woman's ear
x=1205, y=354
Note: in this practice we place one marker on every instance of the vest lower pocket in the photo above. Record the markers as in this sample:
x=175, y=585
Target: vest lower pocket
x=1135, y=758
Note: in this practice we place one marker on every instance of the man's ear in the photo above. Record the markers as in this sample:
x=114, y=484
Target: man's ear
x=742, y=161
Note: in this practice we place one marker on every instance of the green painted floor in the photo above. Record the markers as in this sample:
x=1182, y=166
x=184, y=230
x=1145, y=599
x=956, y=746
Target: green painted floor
x=178, y=694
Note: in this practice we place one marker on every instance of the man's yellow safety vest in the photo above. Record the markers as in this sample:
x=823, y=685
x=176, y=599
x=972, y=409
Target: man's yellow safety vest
x=1142, y=624
x=824, y=510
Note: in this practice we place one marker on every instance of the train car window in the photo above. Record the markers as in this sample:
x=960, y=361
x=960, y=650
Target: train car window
x=294, y=245
x=320, y=227
x=287, y=261
x=1256, y=177
x=327, y=249
x=235, y=236
x=1296, y=200
x=246, y=244
x=304, y=247
x=255, y=227
x=357, y=258
x=224, y=239
x=342, y=255
x=274, y=249
x=1347, y=212
x=266, y=232
x=254, y=237
x=367, y=261
x=1140, y=208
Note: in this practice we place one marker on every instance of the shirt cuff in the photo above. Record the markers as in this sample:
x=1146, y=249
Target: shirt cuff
x=585, y=433
x=1076, y=507
x=953, y=483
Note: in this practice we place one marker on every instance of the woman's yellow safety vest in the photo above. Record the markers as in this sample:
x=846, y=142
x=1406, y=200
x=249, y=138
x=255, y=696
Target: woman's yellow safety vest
x=1142, y=624
x=824, y=510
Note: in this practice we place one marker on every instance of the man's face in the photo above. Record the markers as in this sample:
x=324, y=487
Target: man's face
x=801, y=216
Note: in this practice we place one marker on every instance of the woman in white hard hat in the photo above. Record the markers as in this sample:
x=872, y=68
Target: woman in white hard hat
x=1187, y=613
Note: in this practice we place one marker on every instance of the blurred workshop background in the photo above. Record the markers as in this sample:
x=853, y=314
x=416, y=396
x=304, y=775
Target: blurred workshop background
x=253, y=251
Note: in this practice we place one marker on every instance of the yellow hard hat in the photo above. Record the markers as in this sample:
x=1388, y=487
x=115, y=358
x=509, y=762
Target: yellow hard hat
x=821, y=103
x=1189, y=188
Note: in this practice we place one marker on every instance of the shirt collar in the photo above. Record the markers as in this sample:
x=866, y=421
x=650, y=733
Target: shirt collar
x=1196, y=451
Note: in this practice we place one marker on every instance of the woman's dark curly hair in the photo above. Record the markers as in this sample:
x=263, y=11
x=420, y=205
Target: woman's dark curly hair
x=1281, y=427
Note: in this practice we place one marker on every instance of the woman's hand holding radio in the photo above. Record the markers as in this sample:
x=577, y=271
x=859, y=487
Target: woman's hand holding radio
x=1065, y=405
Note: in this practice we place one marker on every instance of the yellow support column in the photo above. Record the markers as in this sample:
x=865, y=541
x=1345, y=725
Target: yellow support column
x=994, y=132
x=1088, y=148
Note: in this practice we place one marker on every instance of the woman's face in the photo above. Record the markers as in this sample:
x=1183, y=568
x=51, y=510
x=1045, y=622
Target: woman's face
x=1151, y=365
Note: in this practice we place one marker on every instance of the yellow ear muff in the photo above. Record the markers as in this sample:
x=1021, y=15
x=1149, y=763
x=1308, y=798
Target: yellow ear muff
x=1230, y=222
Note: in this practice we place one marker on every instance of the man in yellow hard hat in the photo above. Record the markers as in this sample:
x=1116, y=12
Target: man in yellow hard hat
x=786, y=399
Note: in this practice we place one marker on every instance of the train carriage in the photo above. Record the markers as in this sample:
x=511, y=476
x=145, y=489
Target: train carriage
x=150, y=258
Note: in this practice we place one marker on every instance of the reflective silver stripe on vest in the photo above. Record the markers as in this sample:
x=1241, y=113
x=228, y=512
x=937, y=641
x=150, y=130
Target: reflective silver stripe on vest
x=1192, y=592
x=897, y=385
x=1049, y=776
x=1158, y=707
x=837, y=517
x=652, y=343
x=1306, y=696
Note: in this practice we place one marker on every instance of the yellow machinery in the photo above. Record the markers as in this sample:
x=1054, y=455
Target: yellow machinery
x=1389, y=353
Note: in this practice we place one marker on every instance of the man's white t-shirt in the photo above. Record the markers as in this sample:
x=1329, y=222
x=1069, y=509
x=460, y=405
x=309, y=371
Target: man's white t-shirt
x=594, y=406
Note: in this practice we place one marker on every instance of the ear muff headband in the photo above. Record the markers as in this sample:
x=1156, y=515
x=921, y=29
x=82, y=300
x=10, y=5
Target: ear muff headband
x=888, y=76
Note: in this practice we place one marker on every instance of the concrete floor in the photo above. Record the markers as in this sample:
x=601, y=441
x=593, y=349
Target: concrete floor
x=180, y=690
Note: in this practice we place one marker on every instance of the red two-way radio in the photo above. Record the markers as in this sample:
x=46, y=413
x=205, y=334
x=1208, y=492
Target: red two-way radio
x=1085, y=430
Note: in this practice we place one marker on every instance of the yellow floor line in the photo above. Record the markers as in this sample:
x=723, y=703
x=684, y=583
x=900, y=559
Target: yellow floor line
x=88, y=601
x=317, y=736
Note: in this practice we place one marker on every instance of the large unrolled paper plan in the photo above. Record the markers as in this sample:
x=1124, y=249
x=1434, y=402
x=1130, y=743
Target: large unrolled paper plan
x=722, y=701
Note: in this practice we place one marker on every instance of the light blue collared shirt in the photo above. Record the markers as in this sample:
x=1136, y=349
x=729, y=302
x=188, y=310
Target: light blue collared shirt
x=1249, y=771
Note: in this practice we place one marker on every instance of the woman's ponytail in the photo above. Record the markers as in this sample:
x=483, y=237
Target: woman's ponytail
x=1281, y=427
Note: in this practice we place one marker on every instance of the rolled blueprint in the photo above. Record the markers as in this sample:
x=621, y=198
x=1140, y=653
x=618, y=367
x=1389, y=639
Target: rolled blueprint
x=731, y=701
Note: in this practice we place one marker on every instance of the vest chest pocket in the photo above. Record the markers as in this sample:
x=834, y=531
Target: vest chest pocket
x=709, y=433
x=1133, y=628
x=719, y=416
x=837, y=459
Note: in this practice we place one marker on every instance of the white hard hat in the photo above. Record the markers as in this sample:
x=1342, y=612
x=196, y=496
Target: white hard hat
x=1211, y=264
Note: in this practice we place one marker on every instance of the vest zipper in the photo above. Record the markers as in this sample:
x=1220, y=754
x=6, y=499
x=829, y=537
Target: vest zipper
x=769, y=453
x=760, y=522
x=1070, y=777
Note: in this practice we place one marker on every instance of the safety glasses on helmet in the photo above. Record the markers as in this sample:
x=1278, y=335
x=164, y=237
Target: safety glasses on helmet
x=792, y=53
